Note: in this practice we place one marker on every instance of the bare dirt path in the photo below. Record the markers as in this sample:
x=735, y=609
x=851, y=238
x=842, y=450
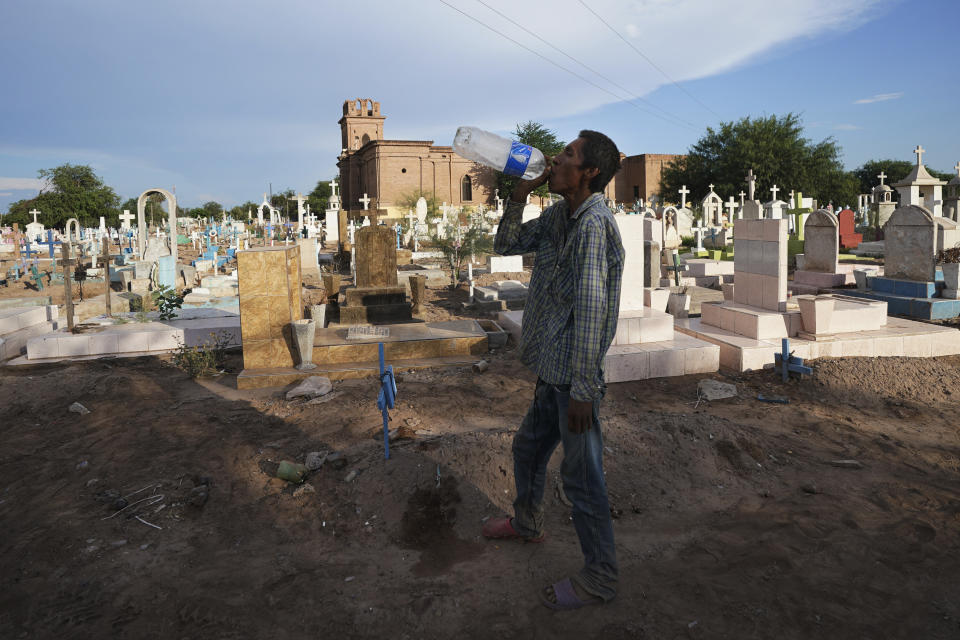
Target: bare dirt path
x=732, y=518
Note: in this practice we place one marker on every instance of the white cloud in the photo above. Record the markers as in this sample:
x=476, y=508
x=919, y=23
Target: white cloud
x=21, y=184
x=5, y=194
x=880, y=97
x=846, y=127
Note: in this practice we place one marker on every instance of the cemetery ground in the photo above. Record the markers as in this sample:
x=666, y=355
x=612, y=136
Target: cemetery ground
x=158, y=514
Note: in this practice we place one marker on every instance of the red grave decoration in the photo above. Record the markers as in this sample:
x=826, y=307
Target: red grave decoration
x=849, y=238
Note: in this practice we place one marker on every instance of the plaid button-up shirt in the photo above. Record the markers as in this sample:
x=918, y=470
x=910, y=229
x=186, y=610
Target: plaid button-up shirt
x=570, y=316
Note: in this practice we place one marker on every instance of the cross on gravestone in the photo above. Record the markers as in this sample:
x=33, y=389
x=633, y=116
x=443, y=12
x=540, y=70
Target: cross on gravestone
x=730, y=205
x=333, y=186
x=50, y=241
x=919, y=151
x=741, y=194
x=751, y=183
x=34, y=213
x=774, y=191
x=683, y=196
x=365, y=200
x=106, y=274
x=698, y=233
x=882, y=177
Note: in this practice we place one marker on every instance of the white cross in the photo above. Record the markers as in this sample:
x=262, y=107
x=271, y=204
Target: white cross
x=683, y=196
x=882, y=177
x=751, y=179
x=741, y=194
x=333, y=186
x=698, y=232
x=730, y=205
x=126, y=218
x=711, y=187
x=774, y=191
x=365, y=200
x=919, y=151
x=34, y=213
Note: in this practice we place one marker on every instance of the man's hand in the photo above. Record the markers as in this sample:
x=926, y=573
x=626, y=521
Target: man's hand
x=579, y=416
x=526, y=187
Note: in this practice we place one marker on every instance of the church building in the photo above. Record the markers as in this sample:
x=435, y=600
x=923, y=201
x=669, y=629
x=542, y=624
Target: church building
x=376, y=174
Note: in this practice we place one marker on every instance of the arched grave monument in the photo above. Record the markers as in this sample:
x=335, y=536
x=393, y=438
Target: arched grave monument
x=142, y=234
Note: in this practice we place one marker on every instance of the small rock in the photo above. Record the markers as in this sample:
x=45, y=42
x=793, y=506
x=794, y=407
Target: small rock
x=709, y=389
x=118, y=543
x=83, y=465
x=315, y=460
x=337, y=460
x=351, y=476
x=143, y=547
x=92, y=482
x=303, y=490
x=76, y=407
x=349, y=579
x=311, y=387
x=199, y=496
x=809, y=488
x=120, y=503
x=846, y=464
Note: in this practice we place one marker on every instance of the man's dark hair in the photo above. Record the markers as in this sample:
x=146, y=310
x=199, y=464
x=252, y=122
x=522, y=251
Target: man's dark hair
x=600, y=152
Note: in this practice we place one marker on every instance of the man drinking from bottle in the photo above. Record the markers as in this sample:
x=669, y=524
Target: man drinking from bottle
x=569, y=321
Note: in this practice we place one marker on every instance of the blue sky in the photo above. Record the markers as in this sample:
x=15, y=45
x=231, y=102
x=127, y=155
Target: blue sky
x=218, y=99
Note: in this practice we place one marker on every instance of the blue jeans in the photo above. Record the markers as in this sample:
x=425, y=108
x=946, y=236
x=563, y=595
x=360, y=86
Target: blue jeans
x=543, y=428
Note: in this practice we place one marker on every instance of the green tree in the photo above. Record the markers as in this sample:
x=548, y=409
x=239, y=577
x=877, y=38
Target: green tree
x=409, y=199
x=894, y=171
x=71, y=191
x=240, y=211
x=776, y=150
x=320, y=197
x=535, y=135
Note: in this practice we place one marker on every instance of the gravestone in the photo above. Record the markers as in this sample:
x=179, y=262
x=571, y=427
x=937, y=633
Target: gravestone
x=632, y=229
x=376, y=257
x=821, y=242
x=760, y=263
x=911, y=244
x=849, y=238
x=376, y=296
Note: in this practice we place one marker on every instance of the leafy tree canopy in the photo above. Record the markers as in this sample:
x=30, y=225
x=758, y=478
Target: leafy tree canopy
x=71, y=191
x=776, y=150
x=538, y=136
x=320, y=197
x=894, y=170
x=409, y=199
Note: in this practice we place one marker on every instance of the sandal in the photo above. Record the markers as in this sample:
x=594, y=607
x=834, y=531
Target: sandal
x=502, y=528
x=567, y=598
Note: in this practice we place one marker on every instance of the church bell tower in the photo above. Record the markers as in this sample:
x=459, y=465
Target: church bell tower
x=361, y=123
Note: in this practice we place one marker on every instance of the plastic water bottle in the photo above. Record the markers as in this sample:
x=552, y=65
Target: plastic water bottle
x=509, y=156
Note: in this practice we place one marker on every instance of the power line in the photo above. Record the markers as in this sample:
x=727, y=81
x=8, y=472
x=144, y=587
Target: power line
x=556, y=64
x=584, y=65
x=652, y=63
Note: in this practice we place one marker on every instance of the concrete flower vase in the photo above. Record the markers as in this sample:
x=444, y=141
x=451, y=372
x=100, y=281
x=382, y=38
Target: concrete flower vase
x=304, y=332
x=951, y=275
x=816, y=312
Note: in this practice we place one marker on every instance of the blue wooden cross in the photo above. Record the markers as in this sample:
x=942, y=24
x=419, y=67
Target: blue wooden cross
x=789, y=363
x=385, y=400
x=50, y=242
x=28, y=252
